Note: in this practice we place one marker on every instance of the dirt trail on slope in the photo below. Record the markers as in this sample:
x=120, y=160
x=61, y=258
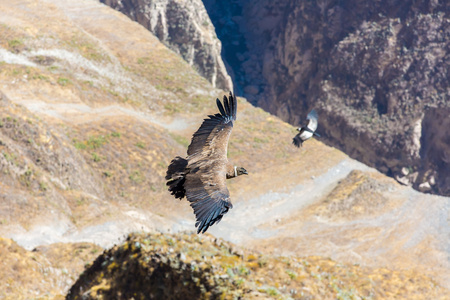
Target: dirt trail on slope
x=79, y=113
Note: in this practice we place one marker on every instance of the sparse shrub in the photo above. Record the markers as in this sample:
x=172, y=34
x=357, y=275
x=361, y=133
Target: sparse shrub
x=291, y=274
x=172, y=107
x=96, y=157
x=89, y=82
x=347, y=294
x=26, y=177
x=116, y=134
x=80, y=201
x=243, y=270
x=10, y=157
x=15, y=44
x=63, y=81
x=140, y=145
x=42, y=186
x=114, y=93
x=79, y=145
x=41, y=77
x=262, y=262
x=239, y=282
x=96, y=142
x=136, y=177
x=271, y=291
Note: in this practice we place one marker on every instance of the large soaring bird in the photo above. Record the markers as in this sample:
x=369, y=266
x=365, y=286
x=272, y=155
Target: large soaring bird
x=202, y=174
x=307, y=131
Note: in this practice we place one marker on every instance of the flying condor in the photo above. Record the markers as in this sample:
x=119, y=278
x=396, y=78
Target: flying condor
x=307, y=131
x=201, y=176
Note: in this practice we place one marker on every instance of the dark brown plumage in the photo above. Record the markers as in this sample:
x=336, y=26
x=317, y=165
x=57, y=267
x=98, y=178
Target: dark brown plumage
x=201, y=176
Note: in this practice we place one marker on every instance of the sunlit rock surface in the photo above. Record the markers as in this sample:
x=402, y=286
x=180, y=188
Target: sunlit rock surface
x=185, y=27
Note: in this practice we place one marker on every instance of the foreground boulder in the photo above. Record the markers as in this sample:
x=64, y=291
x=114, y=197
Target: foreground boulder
x=189, y=266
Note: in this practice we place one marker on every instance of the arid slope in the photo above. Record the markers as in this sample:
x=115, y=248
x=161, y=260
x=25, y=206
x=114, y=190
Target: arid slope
x=92, y=109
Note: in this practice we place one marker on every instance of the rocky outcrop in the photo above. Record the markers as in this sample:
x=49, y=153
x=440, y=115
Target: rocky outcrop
x=189, y=266
x=185, y=27
x=373, y=70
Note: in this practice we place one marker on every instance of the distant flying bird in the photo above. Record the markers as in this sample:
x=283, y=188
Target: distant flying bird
x=202, y=174
x=307, y=131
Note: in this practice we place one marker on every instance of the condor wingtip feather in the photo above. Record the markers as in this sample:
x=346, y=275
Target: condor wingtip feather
x=233, y=102
x=220, y=106
x=227, y=106
x=312, y=115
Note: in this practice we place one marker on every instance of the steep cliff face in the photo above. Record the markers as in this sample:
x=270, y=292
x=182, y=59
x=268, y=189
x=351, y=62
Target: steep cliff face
x=371, y=68
x=185, y=27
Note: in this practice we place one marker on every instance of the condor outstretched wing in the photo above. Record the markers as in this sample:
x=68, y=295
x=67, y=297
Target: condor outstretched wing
x=313, y=119
x=209, y=197
x=207, y=155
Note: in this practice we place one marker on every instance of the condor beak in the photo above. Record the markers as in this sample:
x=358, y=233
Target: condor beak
x=245, y=172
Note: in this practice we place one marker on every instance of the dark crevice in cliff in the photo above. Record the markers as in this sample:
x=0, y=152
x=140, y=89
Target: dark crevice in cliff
x=223, y=15
x=381, y=102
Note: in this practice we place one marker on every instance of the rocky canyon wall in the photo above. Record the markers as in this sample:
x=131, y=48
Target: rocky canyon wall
x=378, y=72
x=185, y=27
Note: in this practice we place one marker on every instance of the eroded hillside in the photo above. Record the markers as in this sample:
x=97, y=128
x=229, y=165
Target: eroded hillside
x=92, y=112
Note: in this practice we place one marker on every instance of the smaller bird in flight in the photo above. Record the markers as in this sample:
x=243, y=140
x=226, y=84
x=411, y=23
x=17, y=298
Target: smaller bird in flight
x=307, y=131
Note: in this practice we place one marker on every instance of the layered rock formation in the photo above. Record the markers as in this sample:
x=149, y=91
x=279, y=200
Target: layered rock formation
x=185, y=27
x=376, y=71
